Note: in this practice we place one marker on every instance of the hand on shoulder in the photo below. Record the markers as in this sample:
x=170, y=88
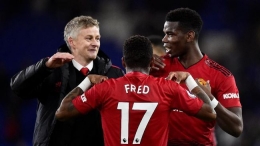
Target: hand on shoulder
x=178, y=76
x=158, y=62
x=95, y=79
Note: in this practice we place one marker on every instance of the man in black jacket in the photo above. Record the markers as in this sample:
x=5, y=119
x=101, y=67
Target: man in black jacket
x=50, y=79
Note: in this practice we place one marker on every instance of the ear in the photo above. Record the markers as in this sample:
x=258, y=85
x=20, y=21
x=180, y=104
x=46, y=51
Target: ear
x=71, y=42
x=123, y=62
x=190, y=36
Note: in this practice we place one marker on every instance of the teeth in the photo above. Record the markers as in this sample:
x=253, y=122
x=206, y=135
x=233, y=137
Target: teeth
x=167, y=50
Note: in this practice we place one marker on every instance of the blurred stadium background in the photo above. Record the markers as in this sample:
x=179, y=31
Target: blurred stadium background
x=33, y=29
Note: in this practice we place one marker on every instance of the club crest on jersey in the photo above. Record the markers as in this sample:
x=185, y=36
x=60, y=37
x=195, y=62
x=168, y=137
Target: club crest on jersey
x=190, y=94
x=83, y=98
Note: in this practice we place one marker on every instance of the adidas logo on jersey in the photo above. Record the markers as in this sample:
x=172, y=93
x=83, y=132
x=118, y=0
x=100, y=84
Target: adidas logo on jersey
x=230, y=95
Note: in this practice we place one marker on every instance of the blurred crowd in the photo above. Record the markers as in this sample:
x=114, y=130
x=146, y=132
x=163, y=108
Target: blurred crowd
x=33, y=29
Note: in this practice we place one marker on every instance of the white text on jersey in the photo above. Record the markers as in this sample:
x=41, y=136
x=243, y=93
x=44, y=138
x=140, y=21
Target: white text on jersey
x=142, y=89
x=230, y=95
x=83, y=98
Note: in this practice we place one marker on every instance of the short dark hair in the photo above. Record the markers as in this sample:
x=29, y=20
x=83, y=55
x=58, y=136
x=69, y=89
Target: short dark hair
x=137, y=52
x=188, y=19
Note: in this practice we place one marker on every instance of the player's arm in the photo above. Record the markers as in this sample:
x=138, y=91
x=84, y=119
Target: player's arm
x=67, y=109
x=31, y=80
x=207, y=110
x=229, y=119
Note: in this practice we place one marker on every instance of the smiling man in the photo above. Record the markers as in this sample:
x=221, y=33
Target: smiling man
x=136, y=110
x=50, y=79
x=182, y=27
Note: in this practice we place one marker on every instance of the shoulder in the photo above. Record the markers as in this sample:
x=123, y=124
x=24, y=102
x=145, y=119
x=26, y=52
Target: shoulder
x=217, y=67
x=162, y=82
x=113, y=66
x=115, y=72
x=221, y=77
x=111, y=82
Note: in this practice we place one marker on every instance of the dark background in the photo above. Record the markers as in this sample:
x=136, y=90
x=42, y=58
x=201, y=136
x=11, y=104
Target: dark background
x=33, y=29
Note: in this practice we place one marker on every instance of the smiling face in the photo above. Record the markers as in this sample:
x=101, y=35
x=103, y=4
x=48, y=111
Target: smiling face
x=175, y=40
x=86, y=44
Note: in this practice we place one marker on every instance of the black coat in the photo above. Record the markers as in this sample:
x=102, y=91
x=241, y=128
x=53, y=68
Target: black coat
x=50, y=86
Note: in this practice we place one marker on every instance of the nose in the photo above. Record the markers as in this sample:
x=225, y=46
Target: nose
x=95, y=42
x=164, y=40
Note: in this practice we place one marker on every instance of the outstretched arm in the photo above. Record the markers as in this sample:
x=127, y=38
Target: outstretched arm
x=67, y=109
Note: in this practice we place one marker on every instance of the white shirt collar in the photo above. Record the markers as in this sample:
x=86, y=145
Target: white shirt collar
x=79, y=66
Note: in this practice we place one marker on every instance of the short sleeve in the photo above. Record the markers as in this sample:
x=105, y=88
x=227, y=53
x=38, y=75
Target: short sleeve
x=228, y=94
x=81, y=104
x=91, y=99
x=183, y=100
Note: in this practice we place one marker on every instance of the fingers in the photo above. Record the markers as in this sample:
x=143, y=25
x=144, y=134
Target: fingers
x=95, y=79
x=63, y=56
x=170, y=76
x=173, y=76
x=99, y=80
x=158, y=62
x=103, y=79
x=59, y=59
x=178, y=76
x=155, y=68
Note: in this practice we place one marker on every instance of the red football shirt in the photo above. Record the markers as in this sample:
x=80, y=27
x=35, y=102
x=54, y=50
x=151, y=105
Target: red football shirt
x=189, y=130
x=135, y=109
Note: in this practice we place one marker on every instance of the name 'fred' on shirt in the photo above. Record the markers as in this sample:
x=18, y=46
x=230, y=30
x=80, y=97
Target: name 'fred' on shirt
x=142, y=89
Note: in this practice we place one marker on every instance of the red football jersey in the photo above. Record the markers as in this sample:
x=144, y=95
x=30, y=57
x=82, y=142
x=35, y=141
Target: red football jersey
x=135, y=109
x=189, y=130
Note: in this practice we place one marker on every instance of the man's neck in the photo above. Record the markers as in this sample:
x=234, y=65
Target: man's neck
x=142, y=70
x=192, y=56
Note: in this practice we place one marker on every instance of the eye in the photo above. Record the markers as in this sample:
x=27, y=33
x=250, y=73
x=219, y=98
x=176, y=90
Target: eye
x=88, y=38
x=98, y=39
x=169, y=34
